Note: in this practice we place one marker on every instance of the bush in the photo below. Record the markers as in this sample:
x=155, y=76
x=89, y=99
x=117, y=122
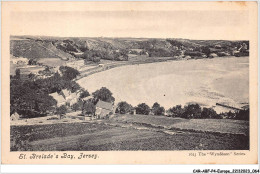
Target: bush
x=142, y=109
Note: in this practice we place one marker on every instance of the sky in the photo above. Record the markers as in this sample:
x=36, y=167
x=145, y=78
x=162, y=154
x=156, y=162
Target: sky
x=206, y=24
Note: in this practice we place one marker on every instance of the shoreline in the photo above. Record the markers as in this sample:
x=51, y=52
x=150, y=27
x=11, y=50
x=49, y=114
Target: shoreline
x=125, y=63
x=146, y=61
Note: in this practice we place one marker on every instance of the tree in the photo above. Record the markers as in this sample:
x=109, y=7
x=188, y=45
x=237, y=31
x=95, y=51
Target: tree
x=84, y=94
x=243, y=115
x=75, y=107
x=69, y=73
x=72, y=86
x=32, y=62
x=208, y=113
x=92, y=55
x=31, y=76
x=28, y=100
x=123, y=108
x=157, y=109
x=176, y=111
x=61, y=110
x=103, y=94
x=88, y=108
x=231, y=115
x=206, y=50
x=142, y=109
x=56, y=83
x=17, y=73
x=78, y=106
x=192, y=111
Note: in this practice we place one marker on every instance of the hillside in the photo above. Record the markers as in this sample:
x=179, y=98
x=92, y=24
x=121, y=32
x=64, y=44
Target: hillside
x=35, y=48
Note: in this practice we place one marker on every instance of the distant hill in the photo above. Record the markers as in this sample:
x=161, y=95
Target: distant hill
x=67, y=47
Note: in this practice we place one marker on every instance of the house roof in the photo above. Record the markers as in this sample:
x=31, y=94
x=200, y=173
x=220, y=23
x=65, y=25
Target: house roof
x=15, y=115
x=66, y=92
x=72, y=96
x=87, y=98
x=104, y=105
x=58, y=98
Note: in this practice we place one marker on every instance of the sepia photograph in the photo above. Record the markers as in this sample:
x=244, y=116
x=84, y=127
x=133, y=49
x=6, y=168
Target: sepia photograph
x=130, y=77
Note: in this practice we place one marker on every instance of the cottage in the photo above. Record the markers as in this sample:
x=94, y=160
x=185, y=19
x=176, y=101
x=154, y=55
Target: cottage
x=15, y=116
x=72, y=99
x=103, y=109
x=66, y=93
x=59, y=98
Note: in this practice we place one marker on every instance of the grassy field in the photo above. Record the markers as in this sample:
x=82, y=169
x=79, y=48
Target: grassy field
x=52, y=62
x=206, y=125
x=123, y=133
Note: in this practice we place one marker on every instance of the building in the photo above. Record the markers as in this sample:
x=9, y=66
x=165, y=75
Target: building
x=103, y=109
x=59, y=98
x=66, y=93
x=15, y=116
x=72, y=99
x=87, y=98
x=19, y=60
x=133, y=111
x=65, y=97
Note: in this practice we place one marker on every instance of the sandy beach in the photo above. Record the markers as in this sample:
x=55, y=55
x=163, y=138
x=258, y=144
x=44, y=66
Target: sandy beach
x=205, y=81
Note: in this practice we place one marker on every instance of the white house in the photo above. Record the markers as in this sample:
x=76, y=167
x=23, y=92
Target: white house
x=59, y=98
